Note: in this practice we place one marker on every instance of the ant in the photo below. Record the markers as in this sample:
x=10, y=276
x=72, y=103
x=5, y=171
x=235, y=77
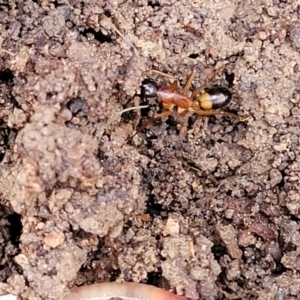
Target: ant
x=202, y=101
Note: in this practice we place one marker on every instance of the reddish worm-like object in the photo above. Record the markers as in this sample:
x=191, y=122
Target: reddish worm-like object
x=124, y=291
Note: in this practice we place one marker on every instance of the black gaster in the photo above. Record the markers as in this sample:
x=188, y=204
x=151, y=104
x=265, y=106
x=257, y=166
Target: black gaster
x=219, y=96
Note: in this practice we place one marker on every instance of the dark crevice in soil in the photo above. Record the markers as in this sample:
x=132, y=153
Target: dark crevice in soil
x=294, y=218
x=80, y=234
x=99, y=36
x=155, y=278
x=6, y=76
x=128, y=225
x=155, y=209
x=114, y=274
x=15, y=228
x=8, y=136
x=129, y=116
x=14, y=101
x=5, y=7
x=194, y=55
x=281, y=184
x=218, y=251
x=57, y=4
x=2, y=154
x=94, y=268
x=280, y=269
x=107, y=13
x=153, y=4
x=5, y=272
x=101, y=156
x=229, y=77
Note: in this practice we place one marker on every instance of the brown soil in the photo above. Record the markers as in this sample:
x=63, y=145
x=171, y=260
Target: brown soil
x=213, y=215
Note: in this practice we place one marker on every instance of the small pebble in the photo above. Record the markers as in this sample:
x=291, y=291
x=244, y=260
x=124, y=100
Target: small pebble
x=262, y=35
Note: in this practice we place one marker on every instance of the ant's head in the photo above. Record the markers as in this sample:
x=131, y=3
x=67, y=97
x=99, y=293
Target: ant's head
x=149, y=88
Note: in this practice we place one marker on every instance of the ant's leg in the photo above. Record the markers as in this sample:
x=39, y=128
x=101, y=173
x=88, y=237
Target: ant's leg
x=206, y=83
x=240, y=118
x=156, y=72
x=164, y=114
x=201, y=112
x=184, y=124
x=188, y=83
x=173, y=86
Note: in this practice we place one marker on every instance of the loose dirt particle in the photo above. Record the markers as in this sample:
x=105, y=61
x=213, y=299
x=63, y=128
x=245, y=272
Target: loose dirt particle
x=54, y=239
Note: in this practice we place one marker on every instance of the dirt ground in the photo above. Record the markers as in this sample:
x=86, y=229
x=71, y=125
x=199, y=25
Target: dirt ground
x=212, y=215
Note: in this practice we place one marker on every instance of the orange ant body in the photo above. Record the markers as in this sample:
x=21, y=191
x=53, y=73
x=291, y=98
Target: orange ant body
x=201, y=101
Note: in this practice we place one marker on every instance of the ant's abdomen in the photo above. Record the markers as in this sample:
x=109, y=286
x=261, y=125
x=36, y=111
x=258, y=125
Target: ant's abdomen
x=213, y=98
